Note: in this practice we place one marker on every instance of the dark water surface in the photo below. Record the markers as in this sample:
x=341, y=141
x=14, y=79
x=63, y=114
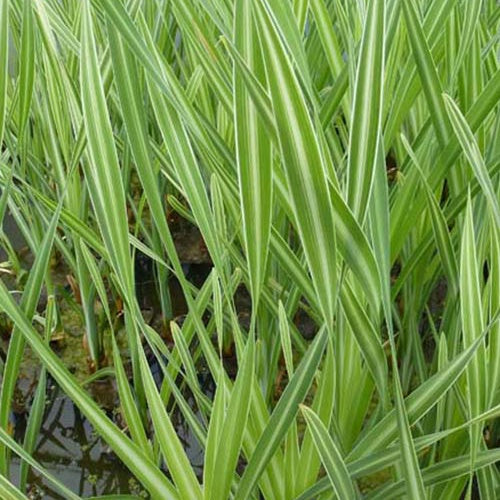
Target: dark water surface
x=68, y=448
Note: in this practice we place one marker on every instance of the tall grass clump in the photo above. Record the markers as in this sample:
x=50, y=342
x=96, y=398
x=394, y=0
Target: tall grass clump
x=341, y=162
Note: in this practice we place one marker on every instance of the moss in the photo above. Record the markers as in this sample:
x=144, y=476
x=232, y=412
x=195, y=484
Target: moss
x=374, y=481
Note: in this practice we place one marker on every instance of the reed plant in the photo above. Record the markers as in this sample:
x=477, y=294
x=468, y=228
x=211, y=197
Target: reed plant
x=341, y=162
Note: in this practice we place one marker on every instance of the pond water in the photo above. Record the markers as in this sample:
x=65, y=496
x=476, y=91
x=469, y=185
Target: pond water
x=68, y=449
x=67, y=446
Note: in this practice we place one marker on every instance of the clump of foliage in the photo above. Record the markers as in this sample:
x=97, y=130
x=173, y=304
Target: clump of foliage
x=340, y=159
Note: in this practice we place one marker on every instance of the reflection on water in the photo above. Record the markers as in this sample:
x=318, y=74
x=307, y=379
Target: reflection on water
x=68, y=448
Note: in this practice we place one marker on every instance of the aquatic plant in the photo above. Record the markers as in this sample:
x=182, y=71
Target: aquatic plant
x=341, y=163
